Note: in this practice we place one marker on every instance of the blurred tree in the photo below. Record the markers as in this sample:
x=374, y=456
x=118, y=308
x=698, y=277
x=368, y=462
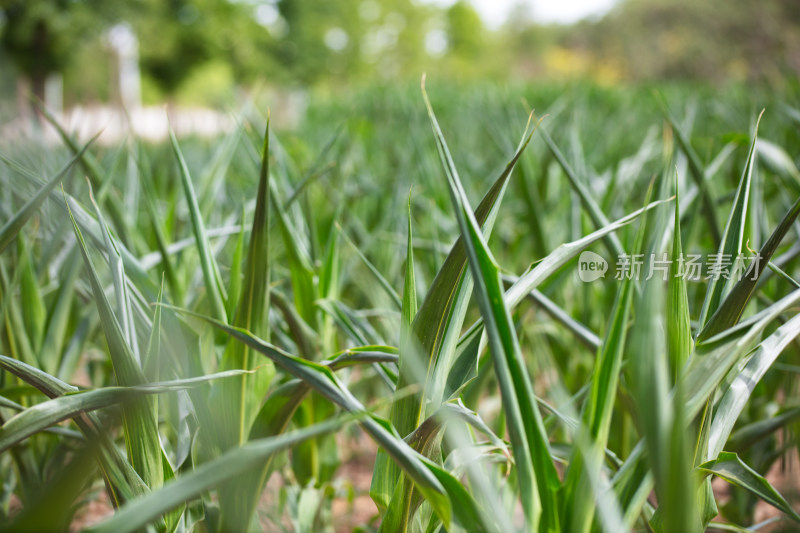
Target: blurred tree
x=472, y=51
x=524, y=42
x=247, y=46
x=176, y=36
x=303, y=51
x=713, y=40
x=342, y=40
x=465, y=31
x=40, y=36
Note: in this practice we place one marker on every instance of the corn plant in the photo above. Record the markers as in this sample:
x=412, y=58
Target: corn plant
x=194, y=319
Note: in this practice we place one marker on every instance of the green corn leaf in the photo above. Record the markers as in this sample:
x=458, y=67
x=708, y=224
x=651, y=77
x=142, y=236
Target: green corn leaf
x=561, y=255
x=92, y=169
x=59, y=315
x=712, y=361
x=277, y=411
x=10, y=404
x=43, y=415
x=33, y=310
x=212, y=179
x=470, y=343
x=425, y=440
x=328, y=290
x=705, y=496
x=213, y=282
x=300, y=269
x=149, y=195
x=745, y=437
x=679, y=332
x=697, y=172
x=329, y=273
x=435, y=332
x=730, y=467
x=235, y=281
x=58, y=496
x=137, y=514
x=408, y=306
x=304, y=336
x=586, y=460
x=126, y=368
x=537, y=477
x=16, y=222
x=777, y=159
x=122, y=481
x=705, y=372
x=581, y=331
x=356, y=327
x=92, y=230
x=661, y=417
x=738, y=392
x=727, y=526
x=124, y=312
x=42, y=381
x=382, y=281
x=595, y=213
x=141, y=430
x=579, y=502
x=251, y=313
x=733, y=237
x=152, y=358
x=731, y=309
x=398, y=514
x=237, y=401
x=19, y=344
x=456, y=410
x=449, y=501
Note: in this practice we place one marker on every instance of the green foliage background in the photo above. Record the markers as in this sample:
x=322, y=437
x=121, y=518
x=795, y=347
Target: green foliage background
x=186, y=43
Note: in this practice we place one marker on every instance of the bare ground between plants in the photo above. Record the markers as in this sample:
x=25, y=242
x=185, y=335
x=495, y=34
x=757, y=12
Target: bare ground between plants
x=357, y=469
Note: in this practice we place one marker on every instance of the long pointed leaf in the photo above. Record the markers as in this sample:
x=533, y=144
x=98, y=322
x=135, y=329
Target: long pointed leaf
x=12, y=227
x=535, y=470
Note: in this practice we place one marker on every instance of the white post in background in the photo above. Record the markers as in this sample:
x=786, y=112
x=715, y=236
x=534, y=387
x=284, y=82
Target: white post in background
x=54, y=102
x=54, y=93
x=129, y=90
x=129, y=87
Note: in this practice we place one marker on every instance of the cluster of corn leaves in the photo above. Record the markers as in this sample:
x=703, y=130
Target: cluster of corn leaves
x=210, y=355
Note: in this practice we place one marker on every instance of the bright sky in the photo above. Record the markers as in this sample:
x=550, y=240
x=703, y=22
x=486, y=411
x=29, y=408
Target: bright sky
x=495, y=12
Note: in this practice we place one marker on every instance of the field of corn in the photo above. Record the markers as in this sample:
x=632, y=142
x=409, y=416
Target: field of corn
x=202, y=333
